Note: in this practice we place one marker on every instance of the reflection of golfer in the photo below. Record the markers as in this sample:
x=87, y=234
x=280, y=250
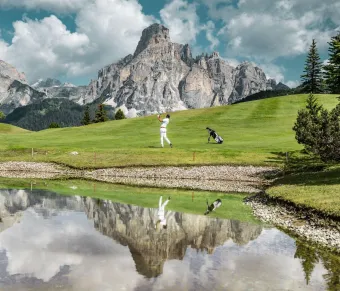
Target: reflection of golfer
x=165, y=122
x=161, y=212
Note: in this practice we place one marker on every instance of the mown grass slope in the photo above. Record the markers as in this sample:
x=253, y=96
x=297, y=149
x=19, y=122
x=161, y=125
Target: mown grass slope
x=7, y=128
x=254, y=133
x=319, y=190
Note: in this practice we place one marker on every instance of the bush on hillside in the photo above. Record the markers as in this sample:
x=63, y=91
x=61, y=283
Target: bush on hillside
x=54, y=125
x=120, y=114
x=319, y=130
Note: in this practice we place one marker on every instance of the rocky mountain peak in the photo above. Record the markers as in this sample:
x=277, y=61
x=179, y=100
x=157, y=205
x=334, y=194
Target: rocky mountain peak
x=11, y=72
x=14, y=90
x=154, y=34
x=215, y=55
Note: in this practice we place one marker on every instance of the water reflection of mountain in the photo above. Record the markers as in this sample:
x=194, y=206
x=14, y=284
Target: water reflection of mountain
x=134, y=227
x=14, y=202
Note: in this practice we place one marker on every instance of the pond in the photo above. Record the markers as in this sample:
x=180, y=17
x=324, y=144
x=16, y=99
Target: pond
x=50, y=241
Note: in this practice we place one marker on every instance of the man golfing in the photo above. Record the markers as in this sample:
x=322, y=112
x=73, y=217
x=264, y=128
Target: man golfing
x=165, y=122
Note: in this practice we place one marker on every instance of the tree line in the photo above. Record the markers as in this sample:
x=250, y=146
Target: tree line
x=100, y=115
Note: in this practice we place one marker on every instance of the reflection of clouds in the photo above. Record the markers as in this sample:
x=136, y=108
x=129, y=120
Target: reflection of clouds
x=39, y=248
x=261, y=265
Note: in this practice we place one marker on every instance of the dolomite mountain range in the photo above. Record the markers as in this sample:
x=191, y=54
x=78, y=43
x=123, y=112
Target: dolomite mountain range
x=161, y=76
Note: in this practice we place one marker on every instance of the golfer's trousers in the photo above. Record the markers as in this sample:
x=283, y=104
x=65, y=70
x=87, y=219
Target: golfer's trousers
x=163, y=136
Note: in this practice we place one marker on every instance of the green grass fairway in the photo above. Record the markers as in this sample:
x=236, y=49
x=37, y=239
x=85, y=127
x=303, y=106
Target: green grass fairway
x=181, y=200
x=254, y=133
x=319, y=190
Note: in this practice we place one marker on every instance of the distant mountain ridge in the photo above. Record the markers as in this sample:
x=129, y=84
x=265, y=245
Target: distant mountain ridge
x=160, y=76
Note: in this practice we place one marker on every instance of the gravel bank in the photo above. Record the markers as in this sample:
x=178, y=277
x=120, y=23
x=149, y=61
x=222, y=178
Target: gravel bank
x=211, y=178
x=207, y=185
x=230, y=173
x=31, y=170
x=303, y=223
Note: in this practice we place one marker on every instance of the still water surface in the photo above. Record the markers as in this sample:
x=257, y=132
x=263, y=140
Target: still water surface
x=52, y=242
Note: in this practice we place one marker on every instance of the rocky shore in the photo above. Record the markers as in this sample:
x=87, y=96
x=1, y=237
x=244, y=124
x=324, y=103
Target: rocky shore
x=210, y=178
x=304, y=223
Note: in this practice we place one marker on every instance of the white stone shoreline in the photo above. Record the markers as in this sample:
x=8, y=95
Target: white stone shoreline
x=304, y=224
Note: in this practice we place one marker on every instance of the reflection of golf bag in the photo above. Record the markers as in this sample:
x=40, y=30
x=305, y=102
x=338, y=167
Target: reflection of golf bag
x=214, y=135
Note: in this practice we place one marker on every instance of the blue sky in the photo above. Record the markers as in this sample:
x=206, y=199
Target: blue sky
x=72, y=39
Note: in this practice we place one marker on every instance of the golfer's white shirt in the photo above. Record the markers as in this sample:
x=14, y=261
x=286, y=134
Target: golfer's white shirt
x=165, y=122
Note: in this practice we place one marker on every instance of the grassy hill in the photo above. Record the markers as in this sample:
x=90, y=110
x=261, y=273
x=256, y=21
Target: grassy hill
x=254, y=133
x=6, y=129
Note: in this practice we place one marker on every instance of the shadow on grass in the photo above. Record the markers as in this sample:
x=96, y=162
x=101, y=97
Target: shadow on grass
x=297, y=161
x=303, y=169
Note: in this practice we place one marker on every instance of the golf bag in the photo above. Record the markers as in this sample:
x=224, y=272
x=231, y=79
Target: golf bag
x=212, y=133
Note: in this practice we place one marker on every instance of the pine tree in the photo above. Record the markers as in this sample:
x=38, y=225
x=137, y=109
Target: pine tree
x=319, y=130
x=307, y=125
x=332, y=265
x=2, y=115
x=100, y=114
x=120, y=114
x=312, y=77
x=332, y=69
x=86, y=119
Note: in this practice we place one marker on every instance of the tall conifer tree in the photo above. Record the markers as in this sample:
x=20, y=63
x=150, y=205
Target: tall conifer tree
x=100, y=114
x=86, y=119
x=332, y=69
x=312, y=77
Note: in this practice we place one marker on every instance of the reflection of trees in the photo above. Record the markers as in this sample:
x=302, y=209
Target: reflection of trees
x=332, y=265
x=134, y=227
x=309, y=256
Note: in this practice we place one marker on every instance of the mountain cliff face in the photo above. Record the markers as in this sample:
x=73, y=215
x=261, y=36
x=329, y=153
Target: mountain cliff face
x=163, y=76
x=14, y=90
x=134, y=226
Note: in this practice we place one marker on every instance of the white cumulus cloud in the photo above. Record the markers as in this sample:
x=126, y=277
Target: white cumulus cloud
x=266, y=29
x=210, y=29
x=182, y=20
x=106, y=30
x=61, y=6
